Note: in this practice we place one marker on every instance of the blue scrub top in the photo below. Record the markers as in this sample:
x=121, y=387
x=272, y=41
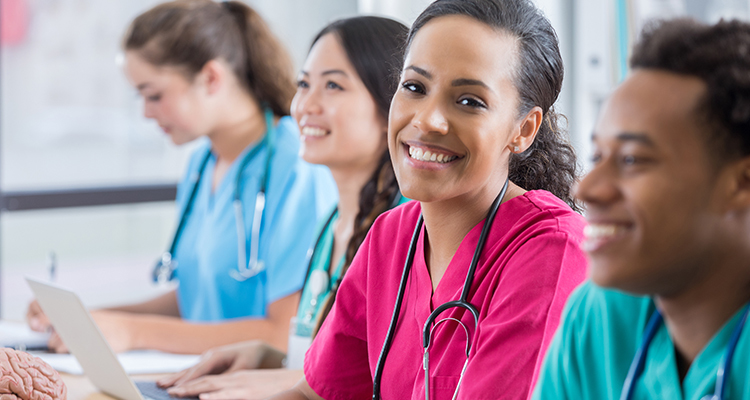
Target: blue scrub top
x=298, y=195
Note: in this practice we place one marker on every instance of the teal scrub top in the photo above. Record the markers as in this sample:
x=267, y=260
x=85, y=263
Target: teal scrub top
x=297, y=196
x=601, y=331
x=308, y=311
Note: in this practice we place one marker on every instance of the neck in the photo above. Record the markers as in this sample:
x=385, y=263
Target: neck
x=448, y=222
x=242, y=124
x=694, y=315
x=349, y=184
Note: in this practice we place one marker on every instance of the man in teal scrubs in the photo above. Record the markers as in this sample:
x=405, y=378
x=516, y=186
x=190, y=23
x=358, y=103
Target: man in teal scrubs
x=668, y=206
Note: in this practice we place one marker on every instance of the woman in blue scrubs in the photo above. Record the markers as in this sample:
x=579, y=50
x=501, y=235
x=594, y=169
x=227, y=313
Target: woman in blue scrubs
x=214, y=72
x=342, y=117
x=668, y=205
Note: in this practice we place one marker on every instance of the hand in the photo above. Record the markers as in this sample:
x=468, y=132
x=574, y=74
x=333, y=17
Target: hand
x=257, y=384
x=36, y=318
x=226, y=359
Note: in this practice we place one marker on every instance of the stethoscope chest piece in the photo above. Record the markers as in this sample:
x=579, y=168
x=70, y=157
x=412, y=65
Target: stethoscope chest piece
x=318, y=282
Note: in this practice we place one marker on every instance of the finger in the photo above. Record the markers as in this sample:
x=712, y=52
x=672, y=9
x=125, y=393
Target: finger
x=169, y=381
x=209, y=364
x=36, y=318
x=196, y=387
x=56, y=345
x=232, y=394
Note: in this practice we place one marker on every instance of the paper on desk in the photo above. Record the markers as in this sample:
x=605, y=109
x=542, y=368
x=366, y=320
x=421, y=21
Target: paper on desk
x=134, y=362
x=19, y=336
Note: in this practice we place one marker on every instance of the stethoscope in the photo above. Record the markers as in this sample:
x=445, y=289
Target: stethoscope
x=639, y=361
x=430, y=324
x=165, y=267
x=319, y=280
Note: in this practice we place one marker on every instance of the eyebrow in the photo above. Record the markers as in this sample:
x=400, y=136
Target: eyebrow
x=641, y=138
x=455, y=82
x=469, y=82
x=327, y=72
x=142, y=86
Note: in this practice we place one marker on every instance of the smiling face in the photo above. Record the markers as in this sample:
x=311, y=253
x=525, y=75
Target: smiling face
x=653, y=197
x=337, y=116
x=177, y=105
x=454, y=115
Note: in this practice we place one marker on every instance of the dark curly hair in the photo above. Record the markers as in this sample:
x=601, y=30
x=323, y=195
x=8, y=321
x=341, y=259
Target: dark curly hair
x=550, y=162
x=717, y=54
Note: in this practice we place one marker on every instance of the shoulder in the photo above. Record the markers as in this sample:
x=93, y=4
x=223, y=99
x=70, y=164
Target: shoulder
x=399, y=220
x=198, y=155
x=540, y=211
x=603, y=311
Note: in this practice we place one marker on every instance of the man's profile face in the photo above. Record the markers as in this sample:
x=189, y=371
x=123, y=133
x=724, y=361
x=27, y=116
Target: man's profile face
x=650, y=197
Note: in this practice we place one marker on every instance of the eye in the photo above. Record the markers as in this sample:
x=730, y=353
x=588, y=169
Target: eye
x=413, y=87
x=333, y=86
x=154, y=98
x=596, y=158
x=471, y=102
x=302, y=84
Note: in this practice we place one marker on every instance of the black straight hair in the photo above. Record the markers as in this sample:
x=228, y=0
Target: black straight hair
x=375, y=48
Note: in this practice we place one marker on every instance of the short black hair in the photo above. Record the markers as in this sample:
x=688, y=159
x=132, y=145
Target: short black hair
x=719, y=55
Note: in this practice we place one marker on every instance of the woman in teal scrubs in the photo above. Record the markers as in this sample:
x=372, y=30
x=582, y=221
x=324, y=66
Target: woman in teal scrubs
x=668, y=204
x=214, y=72
x=342, y=101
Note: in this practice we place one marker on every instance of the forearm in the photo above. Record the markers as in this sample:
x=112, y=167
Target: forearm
x=175, y=335
x=300, y=391
x=165, y=304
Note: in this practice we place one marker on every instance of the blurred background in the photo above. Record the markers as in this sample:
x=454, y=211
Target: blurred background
x=86, y=183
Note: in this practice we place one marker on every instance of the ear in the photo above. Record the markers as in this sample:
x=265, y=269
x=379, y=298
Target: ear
x=739, y=188
x=212, y=76
x=528, y=128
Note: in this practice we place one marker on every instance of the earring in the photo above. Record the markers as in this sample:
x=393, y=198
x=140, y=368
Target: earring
x=516, y=149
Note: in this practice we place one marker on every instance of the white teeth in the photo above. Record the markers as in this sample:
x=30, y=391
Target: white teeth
x=600, y=231
x=429, y=156
x=313, y=131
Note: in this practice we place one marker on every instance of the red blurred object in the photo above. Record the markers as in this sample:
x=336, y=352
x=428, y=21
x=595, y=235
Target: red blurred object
x=14, y=21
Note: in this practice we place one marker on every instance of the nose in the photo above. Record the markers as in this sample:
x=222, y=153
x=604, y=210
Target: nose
x=149, y=110
x=430, y=117
x=306, y=102
x=599, y=187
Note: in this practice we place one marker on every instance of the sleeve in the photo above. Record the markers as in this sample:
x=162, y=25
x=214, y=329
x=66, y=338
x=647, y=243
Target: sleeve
x=559, y=376
x=337, y=364
x=522, y=316
x=290, y=233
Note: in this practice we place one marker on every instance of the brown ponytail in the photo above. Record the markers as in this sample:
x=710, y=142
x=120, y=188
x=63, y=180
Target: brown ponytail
x=189, y=33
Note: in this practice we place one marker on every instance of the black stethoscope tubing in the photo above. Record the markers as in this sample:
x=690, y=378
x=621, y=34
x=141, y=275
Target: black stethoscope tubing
x=462, y=302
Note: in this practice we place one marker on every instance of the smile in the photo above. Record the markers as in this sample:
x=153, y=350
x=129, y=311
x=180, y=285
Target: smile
x=425, y=155
x=312, y=131
x=599, y=234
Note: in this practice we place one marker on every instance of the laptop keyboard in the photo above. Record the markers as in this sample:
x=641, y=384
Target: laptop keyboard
x=151, y=391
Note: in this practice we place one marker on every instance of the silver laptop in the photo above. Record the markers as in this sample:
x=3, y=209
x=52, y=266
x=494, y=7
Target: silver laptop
x=85, y=341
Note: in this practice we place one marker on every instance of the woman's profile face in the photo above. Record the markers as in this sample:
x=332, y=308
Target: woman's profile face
x=454, y=114
x=175, y=103
x=338, y=119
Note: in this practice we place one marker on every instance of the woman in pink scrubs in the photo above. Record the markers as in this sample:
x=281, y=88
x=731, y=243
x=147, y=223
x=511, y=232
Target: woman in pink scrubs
x=473, y=109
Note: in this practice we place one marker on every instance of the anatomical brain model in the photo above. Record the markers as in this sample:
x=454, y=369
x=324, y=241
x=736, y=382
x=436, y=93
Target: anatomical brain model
x=25, y=377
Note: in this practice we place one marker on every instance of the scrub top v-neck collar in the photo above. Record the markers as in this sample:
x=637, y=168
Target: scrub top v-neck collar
x=661, y=375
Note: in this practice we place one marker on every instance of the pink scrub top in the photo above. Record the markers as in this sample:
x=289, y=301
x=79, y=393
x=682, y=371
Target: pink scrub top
x=530, y=264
